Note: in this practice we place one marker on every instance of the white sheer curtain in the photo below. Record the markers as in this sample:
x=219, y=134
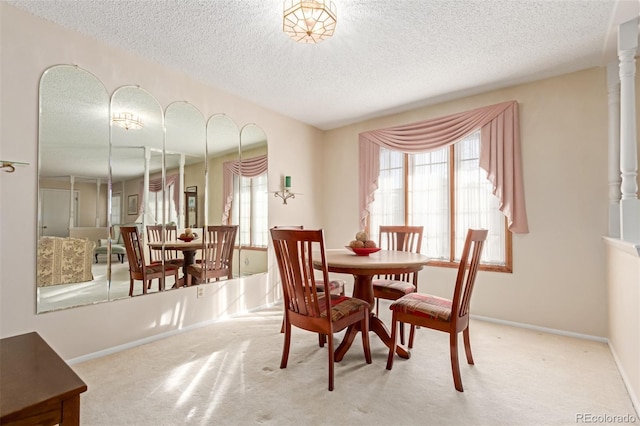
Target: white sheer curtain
x=476, y=207
x=388, y=209
x=259, y=211
x=428, y=199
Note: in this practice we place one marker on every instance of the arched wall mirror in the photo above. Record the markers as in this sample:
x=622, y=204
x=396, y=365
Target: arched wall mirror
x=223, y=148
x=122, y=160
x=73, y=171
x=137, y=170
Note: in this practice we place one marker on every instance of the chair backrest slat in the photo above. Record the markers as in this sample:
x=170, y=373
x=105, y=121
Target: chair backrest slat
x=297, y=251
x=467, y=271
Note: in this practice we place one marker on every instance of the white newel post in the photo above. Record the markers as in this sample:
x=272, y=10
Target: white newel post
x=145, y=188
x=181, y=213
x=613, y=95
x=72, y=204
x=123, y=202
x=98, y=202
x=629, y=203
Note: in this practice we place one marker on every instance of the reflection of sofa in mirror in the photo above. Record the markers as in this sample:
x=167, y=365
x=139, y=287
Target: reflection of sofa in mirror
x=64, y=261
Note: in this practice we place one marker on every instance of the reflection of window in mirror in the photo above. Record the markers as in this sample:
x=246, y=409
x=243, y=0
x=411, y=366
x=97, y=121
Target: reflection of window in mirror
x=191, y=205
x=251, y=210
x=116, y=208
x=163, y=205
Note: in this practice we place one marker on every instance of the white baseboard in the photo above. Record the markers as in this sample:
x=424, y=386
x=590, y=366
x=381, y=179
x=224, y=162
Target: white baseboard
x=543, y=329
x=149, y=339
x=625, y=379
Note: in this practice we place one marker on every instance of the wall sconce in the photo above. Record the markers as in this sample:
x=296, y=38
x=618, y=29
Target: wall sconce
x=285, y=193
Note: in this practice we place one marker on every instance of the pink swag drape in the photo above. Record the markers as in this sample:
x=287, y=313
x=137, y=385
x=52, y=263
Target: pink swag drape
x=499, y=153
x=251, y=167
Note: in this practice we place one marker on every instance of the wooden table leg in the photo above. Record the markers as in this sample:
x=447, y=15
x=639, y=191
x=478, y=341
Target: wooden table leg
x=71, y=410
x=377, y=326
x=363, y=289
x=189, y=258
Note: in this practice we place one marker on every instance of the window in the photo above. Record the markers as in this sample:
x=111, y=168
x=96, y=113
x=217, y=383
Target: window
x=252, y=209
x=447, y=192
x=156, y=204
x=116, y=208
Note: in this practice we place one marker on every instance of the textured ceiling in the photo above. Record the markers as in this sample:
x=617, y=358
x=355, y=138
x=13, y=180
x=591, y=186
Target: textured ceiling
x=386, y=56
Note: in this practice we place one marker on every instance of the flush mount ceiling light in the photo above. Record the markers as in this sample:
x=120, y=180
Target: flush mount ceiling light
x=127, y=121
x=309, y=21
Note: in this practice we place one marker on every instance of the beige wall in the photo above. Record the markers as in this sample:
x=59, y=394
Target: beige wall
x=29, y=46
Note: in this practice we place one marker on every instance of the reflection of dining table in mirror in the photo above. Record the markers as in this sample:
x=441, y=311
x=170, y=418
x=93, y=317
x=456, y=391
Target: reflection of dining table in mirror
x=363, y=269
x=188, y=249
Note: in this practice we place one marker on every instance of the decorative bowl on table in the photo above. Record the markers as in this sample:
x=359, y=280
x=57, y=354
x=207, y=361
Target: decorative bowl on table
x=363, y=251
x=186, y=238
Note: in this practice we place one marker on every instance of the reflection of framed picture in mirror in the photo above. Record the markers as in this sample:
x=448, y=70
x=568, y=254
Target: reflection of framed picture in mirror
x=191, y=203
x=132, y=204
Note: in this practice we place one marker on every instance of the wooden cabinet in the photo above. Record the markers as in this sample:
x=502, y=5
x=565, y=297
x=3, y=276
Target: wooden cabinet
x=38, y=387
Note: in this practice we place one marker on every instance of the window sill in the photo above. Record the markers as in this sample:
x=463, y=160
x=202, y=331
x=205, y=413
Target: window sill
x=255, y=248
x=490, y=268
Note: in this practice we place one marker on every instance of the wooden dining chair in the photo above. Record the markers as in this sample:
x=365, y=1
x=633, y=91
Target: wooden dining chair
x=448, y=315
x=336, y=286
x=393, y=287
x=138, y=269
x=218, y=242
x=155, y=232
x=306, y=307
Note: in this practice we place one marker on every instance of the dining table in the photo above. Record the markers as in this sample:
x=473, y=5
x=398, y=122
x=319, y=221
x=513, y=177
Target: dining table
x=364, y=269
x=188, y=249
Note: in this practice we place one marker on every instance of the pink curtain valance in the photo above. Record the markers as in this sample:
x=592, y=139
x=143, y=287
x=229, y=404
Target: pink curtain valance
x=250, y=167
x=499, y=153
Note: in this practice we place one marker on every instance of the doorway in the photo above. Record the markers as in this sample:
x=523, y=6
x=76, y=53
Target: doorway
x=54, y=205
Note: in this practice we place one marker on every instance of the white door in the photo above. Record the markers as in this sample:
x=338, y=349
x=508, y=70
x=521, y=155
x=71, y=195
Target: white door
x=55, y=212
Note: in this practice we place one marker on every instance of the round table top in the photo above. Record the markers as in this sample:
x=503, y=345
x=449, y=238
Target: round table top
x=177, y=244
x=391, y=261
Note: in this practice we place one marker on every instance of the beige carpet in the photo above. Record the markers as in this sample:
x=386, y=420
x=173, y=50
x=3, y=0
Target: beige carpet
x=228, y=374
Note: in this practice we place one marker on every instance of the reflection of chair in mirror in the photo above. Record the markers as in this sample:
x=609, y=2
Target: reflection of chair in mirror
x=305, y=307
x=393, y=287
x=217, y=254
x=448, y=315
x=138, y=270
x=155, y=236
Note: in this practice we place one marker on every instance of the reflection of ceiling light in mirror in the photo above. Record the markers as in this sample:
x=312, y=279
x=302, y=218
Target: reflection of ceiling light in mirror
x=309, y=21
x=127, y=121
